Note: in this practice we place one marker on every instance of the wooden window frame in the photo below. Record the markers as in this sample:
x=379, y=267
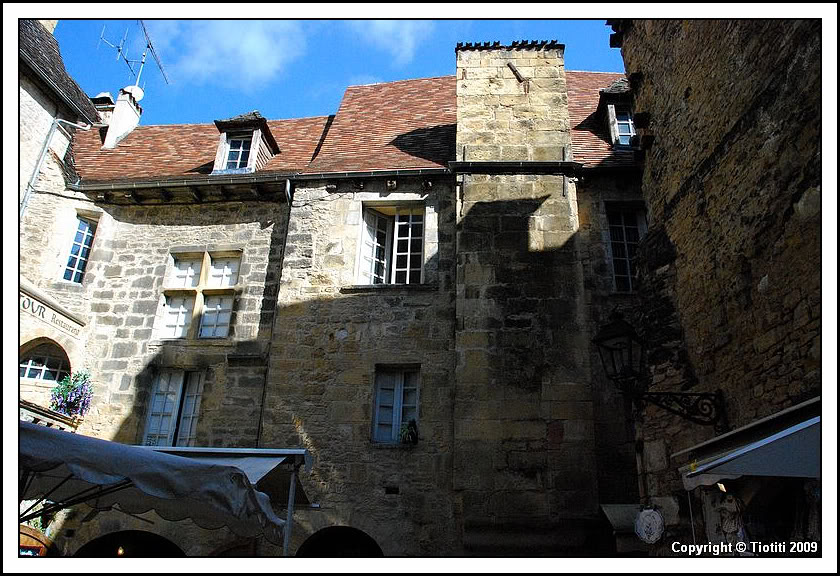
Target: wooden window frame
x=399, y=404
x=383, y=212
x=177, y=416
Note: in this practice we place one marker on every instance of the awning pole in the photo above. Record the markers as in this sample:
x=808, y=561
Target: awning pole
x=691, y=515
x=290, y=510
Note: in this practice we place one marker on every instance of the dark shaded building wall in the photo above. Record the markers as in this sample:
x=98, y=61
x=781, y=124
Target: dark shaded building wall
x=731, y=266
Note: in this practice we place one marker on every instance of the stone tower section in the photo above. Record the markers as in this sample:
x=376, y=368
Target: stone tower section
x=524, y=464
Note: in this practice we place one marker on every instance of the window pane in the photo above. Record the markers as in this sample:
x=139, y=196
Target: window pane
x=68, y=274
x=399, y=278
x=625, y=140
x=622, y=283
x=416, y=261
x=402, y=262
x=233, y=156
x=243, y=160
x=414, y=277
x=402, y=246
x=246, y=144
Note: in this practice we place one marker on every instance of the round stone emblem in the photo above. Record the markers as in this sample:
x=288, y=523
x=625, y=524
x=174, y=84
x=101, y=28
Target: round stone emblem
x=649, y=525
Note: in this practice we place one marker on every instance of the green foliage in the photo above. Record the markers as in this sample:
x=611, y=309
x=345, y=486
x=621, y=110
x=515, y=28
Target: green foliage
x=72, y=395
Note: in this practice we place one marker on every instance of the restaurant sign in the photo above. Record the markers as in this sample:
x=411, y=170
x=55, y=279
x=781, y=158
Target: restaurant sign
x=32, y=306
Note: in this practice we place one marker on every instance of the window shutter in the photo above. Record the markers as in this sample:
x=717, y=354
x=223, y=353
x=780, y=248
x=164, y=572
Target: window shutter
x=613, y=124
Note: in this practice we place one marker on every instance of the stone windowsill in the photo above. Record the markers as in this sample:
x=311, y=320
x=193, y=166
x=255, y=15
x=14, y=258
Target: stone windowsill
x=361, y=288
x=392, y=446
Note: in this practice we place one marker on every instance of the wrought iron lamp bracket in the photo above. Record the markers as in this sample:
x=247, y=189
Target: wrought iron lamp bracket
x=704, y=408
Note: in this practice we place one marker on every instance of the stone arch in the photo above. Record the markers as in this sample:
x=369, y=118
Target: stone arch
x=37, y=390
x=130, y=544
x=339, y=542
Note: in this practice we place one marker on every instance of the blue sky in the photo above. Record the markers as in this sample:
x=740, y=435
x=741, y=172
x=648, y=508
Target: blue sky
x=293, y=69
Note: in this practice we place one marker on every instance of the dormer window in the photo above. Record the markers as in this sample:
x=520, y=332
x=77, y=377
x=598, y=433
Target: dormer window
x=621, y=125
x=239, y=150
x=245, y=144
x=624, y=123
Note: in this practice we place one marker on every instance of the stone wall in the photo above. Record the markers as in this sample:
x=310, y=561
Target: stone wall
x=329, y=337
x=132, y=256
x=731, y=266
x=614, y=431
x=524, y=422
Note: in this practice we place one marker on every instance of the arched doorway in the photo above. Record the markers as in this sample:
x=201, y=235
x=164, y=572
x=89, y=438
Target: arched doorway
x=339, y=542
x=130, y=544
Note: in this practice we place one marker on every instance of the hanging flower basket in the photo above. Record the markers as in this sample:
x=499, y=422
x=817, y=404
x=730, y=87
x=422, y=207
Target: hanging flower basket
x=72, y=395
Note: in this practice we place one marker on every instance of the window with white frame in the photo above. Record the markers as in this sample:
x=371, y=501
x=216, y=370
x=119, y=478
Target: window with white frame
x=621, y=125
x=627, y=226
x=391, y=248
x=397, y=401
x=199, y=286
x=45, y=362
x=173, y=409
x=239, y=151
x=77, y=259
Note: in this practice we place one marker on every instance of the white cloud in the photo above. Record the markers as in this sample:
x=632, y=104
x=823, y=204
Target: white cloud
x=400, y=38
x=246, y=53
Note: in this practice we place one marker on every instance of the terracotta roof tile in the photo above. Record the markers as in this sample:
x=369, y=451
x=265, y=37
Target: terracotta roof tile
x=590, y=138
x=395, y=125
x=187, y=151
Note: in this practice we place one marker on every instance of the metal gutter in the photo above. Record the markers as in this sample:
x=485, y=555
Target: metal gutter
x=64, y=96
x=372, y=174
x=252, y=179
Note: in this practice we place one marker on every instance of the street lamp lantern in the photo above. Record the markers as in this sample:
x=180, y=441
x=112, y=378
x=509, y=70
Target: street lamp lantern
x=622, y=353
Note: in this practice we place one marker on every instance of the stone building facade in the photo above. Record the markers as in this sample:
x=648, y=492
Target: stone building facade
x=492, y=196
x=730, y=270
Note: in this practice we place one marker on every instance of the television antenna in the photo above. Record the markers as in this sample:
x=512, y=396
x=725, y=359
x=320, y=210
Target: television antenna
x=149, y=48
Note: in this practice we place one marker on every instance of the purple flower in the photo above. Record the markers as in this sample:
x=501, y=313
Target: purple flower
x=72, y=395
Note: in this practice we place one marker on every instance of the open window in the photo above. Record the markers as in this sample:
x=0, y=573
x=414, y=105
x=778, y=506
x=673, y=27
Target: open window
x=391, y=248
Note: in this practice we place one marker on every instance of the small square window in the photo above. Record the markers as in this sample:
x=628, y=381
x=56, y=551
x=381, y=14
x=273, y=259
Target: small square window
x=177, y=316
x=215, y=318
x=224, y=272
x=80, y=248
x=397, y=401
x=185, y=273
x=239, y=151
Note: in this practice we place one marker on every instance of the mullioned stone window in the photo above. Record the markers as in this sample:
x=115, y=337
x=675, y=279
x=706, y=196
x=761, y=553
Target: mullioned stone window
x=198, y=295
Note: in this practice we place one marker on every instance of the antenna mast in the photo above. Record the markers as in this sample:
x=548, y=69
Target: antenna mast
x=120, y=48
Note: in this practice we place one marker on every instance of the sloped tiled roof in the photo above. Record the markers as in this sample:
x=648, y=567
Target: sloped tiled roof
x=407, y=124
x=395, y=125
x=590, y=137
x=38, y=49
x=187, y=151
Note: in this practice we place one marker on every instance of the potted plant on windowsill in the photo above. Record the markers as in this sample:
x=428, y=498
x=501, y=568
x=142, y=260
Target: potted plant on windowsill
x=72, y=395
x=409, y=433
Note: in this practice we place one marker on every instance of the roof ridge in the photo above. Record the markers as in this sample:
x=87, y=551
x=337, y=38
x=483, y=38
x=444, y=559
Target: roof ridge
x=597, y=72
x=403, y=80
x=212, y=124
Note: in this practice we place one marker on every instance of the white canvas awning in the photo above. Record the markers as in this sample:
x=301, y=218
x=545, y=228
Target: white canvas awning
x=792, y=452
x=66, y=469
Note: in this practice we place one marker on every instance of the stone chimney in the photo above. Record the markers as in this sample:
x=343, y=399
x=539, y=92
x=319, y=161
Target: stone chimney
x=49, y=25
x=512, y=102
x=104, y=104
x=125, y=117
